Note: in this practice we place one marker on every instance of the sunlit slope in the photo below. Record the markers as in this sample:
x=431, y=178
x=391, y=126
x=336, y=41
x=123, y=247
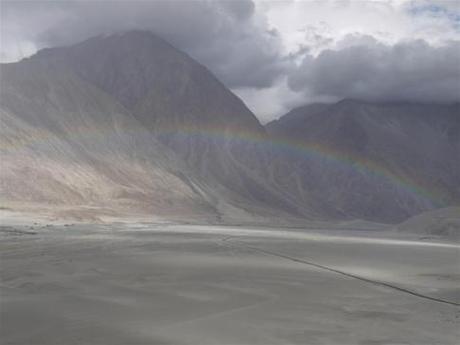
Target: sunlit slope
x=65, y=141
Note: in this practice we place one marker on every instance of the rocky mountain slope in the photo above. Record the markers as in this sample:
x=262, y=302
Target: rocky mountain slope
x=65, y=142
x=381, y=162
x=128, y=121
x=128, y=124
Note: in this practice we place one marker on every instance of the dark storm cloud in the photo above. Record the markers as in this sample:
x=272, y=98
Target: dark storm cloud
x=409, y=71
x=224, y=36
x=234, y=40
x=240, y=9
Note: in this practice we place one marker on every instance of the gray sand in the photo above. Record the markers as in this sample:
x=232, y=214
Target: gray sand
x=170, y=284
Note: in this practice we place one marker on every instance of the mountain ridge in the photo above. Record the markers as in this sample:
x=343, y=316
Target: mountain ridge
x=127, y=121
x=408, y=143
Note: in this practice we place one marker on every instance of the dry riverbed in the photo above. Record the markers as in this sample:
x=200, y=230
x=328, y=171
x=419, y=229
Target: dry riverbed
x=179, y=284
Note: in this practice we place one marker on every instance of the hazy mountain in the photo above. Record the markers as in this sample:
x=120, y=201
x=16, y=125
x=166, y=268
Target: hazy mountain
x=128, y=123
x=66, y=142
x=373, y=161
x=128, y=120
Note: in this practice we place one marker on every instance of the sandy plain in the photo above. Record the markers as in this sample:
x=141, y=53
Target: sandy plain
x=143, y=283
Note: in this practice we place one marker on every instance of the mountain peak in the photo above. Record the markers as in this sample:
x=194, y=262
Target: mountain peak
x=132, y=38
x=125, y=65
x=157, y=82
x=138, y=117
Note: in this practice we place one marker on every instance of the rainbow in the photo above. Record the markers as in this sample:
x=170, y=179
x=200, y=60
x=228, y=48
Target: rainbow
x=362, y=165
x=417, y=187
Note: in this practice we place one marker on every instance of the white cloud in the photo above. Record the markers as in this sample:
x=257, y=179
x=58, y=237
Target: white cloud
x=308, y=28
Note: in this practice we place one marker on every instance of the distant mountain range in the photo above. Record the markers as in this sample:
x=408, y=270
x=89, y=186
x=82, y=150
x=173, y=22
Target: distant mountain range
x=381, y=162
x=128, y=123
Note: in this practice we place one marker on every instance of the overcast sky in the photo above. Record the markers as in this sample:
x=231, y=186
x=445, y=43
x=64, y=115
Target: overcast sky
x=274, y=54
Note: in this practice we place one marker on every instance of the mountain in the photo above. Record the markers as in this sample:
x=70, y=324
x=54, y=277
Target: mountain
x=127, y=121
x=66, y=142
x=128, y=124
x=374, y=161
x=442, y=223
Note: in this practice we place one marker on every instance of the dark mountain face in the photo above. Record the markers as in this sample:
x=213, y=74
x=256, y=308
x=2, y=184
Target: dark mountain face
x=375, y=161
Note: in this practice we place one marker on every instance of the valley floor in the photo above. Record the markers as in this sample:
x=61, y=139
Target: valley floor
x=183, y=284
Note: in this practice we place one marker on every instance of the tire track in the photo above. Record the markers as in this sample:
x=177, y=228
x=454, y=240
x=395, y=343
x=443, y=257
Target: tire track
x=230, y=240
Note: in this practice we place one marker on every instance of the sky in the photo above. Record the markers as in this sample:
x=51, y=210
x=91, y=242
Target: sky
x=275, y=55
